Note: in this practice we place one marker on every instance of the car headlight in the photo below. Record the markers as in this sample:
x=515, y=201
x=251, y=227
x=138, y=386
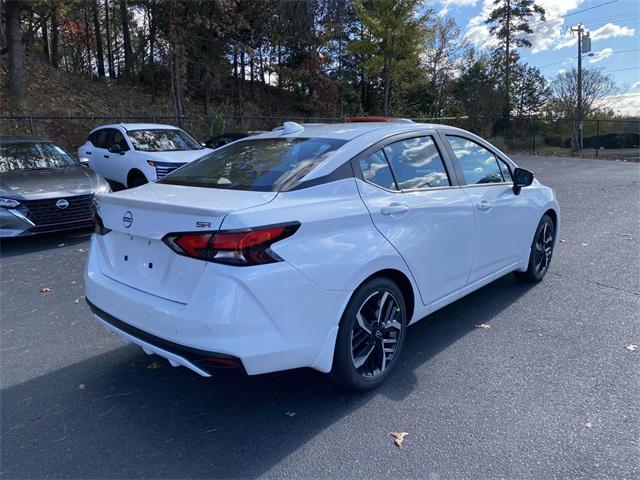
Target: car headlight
x=8, y=203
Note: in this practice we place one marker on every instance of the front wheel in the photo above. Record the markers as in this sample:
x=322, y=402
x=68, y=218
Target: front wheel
x=371, y=335
x=541, y=252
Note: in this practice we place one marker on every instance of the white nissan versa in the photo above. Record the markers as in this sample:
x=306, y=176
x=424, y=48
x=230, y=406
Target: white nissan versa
x=314, y=246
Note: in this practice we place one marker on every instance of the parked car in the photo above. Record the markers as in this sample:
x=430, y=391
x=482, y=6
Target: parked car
x=132, y=154
x=314, y=246
x=43, y=189
x=223, y=139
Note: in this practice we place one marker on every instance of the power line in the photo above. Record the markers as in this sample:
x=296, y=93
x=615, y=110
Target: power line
x=623, y=69
x=573, y=13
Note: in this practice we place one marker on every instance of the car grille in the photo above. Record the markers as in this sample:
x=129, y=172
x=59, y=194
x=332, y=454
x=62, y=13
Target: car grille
x=164, y=169
x=45, y=212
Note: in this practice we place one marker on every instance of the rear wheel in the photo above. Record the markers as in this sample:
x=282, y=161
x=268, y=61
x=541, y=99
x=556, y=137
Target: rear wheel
x=371, y=335
x=541, y=252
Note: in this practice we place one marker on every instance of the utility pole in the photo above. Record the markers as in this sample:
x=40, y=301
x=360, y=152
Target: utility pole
x=579, y=29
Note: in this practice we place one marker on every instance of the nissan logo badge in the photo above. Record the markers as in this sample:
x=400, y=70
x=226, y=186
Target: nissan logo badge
x=127, y=219
x=62, y=204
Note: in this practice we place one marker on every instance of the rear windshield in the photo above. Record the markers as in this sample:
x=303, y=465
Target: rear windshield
x=271, y=164
x=162, y=140
x=33, y=156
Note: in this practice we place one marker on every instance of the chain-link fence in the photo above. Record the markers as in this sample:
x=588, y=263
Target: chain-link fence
x=608, y=137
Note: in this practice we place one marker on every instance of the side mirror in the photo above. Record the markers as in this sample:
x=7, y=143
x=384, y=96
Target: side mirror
x=521, y=178
x=115, y=148
x=83, y=161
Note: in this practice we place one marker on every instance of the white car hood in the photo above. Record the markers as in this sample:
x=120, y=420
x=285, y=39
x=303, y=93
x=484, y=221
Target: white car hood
x=183, y=156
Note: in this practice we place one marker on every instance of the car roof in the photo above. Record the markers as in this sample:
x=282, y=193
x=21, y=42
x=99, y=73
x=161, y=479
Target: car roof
x=23, y=139
x=351, y=130
x=138, y=126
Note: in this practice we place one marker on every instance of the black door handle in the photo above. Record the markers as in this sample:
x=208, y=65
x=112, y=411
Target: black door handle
x=88, y=153
x=106, y=156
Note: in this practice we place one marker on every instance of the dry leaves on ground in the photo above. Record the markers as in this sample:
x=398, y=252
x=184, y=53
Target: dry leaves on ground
x=45, y=290
x=290, y=414
x=483, y=325
x=154, y=366
x=631, y=348
x=398, y=437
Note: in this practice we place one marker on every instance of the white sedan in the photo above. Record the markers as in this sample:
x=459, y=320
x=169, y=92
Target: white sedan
x=132, y=154
x=314, y=246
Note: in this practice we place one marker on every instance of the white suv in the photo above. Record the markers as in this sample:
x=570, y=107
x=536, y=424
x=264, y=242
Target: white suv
x=314, y=246
x=132, y=154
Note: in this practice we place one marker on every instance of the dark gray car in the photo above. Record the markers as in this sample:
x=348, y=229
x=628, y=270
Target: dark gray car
x=43, y=189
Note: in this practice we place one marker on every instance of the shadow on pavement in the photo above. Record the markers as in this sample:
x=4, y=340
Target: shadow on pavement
x=10, y=247
x=112, y=416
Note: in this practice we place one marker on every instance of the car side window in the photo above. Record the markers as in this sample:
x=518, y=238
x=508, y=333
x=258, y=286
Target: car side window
x=506, y=173
x=416, y=163
x=118, y=139
x=375, y=169
x=101, y=138
x=478, y=164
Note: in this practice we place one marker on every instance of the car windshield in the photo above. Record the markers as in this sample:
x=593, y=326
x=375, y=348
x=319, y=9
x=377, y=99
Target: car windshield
x=261, y=165
x=162, y=140
x=33, y=156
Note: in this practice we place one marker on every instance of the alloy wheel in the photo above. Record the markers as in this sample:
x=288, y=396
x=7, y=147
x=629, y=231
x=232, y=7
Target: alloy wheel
x=544, y=249
x=376, y=334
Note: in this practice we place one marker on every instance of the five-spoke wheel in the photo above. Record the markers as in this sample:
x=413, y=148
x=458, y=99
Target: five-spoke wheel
x=371, y=334
x=541, y=251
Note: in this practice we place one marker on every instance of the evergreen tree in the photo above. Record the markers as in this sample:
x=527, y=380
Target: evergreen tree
x=509, y=24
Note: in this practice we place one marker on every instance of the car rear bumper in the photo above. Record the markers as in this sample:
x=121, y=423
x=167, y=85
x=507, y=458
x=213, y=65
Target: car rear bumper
x=269, y=317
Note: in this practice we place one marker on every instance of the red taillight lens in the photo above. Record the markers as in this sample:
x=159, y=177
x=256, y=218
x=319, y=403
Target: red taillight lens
x=246, y=247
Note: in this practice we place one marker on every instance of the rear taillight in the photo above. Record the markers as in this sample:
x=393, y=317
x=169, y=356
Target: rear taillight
x=232, y=247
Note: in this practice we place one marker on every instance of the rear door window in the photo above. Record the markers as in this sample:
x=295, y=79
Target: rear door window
x=416, y=163
x=375, y=169
x=271, y=164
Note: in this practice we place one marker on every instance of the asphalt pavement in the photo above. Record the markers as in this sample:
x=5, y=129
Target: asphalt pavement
x=548, y=391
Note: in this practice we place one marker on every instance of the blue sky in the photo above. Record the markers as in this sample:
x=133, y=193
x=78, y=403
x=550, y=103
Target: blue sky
x=615, y=33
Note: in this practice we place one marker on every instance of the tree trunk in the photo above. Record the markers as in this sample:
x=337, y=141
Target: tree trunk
x=98, y=34
x=54, y=37
x=387, y=84
x=16, y=61
x=45, y=41
x=152, y=51
x=507, y=69
x=87, y=36
x=112, y=72
x=126, y=40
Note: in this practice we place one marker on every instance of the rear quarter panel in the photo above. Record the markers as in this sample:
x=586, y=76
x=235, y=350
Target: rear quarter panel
x=337, y=245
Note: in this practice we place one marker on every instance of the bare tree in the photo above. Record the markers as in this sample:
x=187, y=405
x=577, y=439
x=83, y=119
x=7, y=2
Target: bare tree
x=98, y=34
x=598, y=88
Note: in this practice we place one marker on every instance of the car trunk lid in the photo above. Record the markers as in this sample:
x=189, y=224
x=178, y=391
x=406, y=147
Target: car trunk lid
x=134, y=254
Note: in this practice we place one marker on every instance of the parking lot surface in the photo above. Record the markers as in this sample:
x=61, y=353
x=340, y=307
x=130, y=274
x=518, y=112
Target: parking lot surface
x=548, y=391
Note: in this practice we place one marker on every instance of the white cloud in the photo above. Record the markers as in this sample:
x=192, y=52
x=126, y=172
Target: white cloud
x=606, y=31
x=636, y=85
x=601, y=55
x=624, y=104
x=459, y=3
x=443, y=11
x=561, y=71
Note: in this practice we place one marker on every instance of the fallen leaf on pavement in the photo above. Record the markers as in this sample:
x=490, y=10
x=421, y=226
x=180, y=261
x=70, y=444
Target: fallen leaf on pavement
x=77, y=300
x=80, y=250
x=631, y=348
x=398, y=437
x=562, y=241
x=585, y=244
x=82, y=386
x=588, y=425
x=483, y=325
x=290, y=414
x=154, y=366
x=61, y=245
x=45, y=290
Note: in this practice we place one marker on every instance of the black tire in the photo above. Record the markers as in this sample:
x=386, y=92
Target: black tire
x=541, y=252
x=390, y=330
x=136, y=179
